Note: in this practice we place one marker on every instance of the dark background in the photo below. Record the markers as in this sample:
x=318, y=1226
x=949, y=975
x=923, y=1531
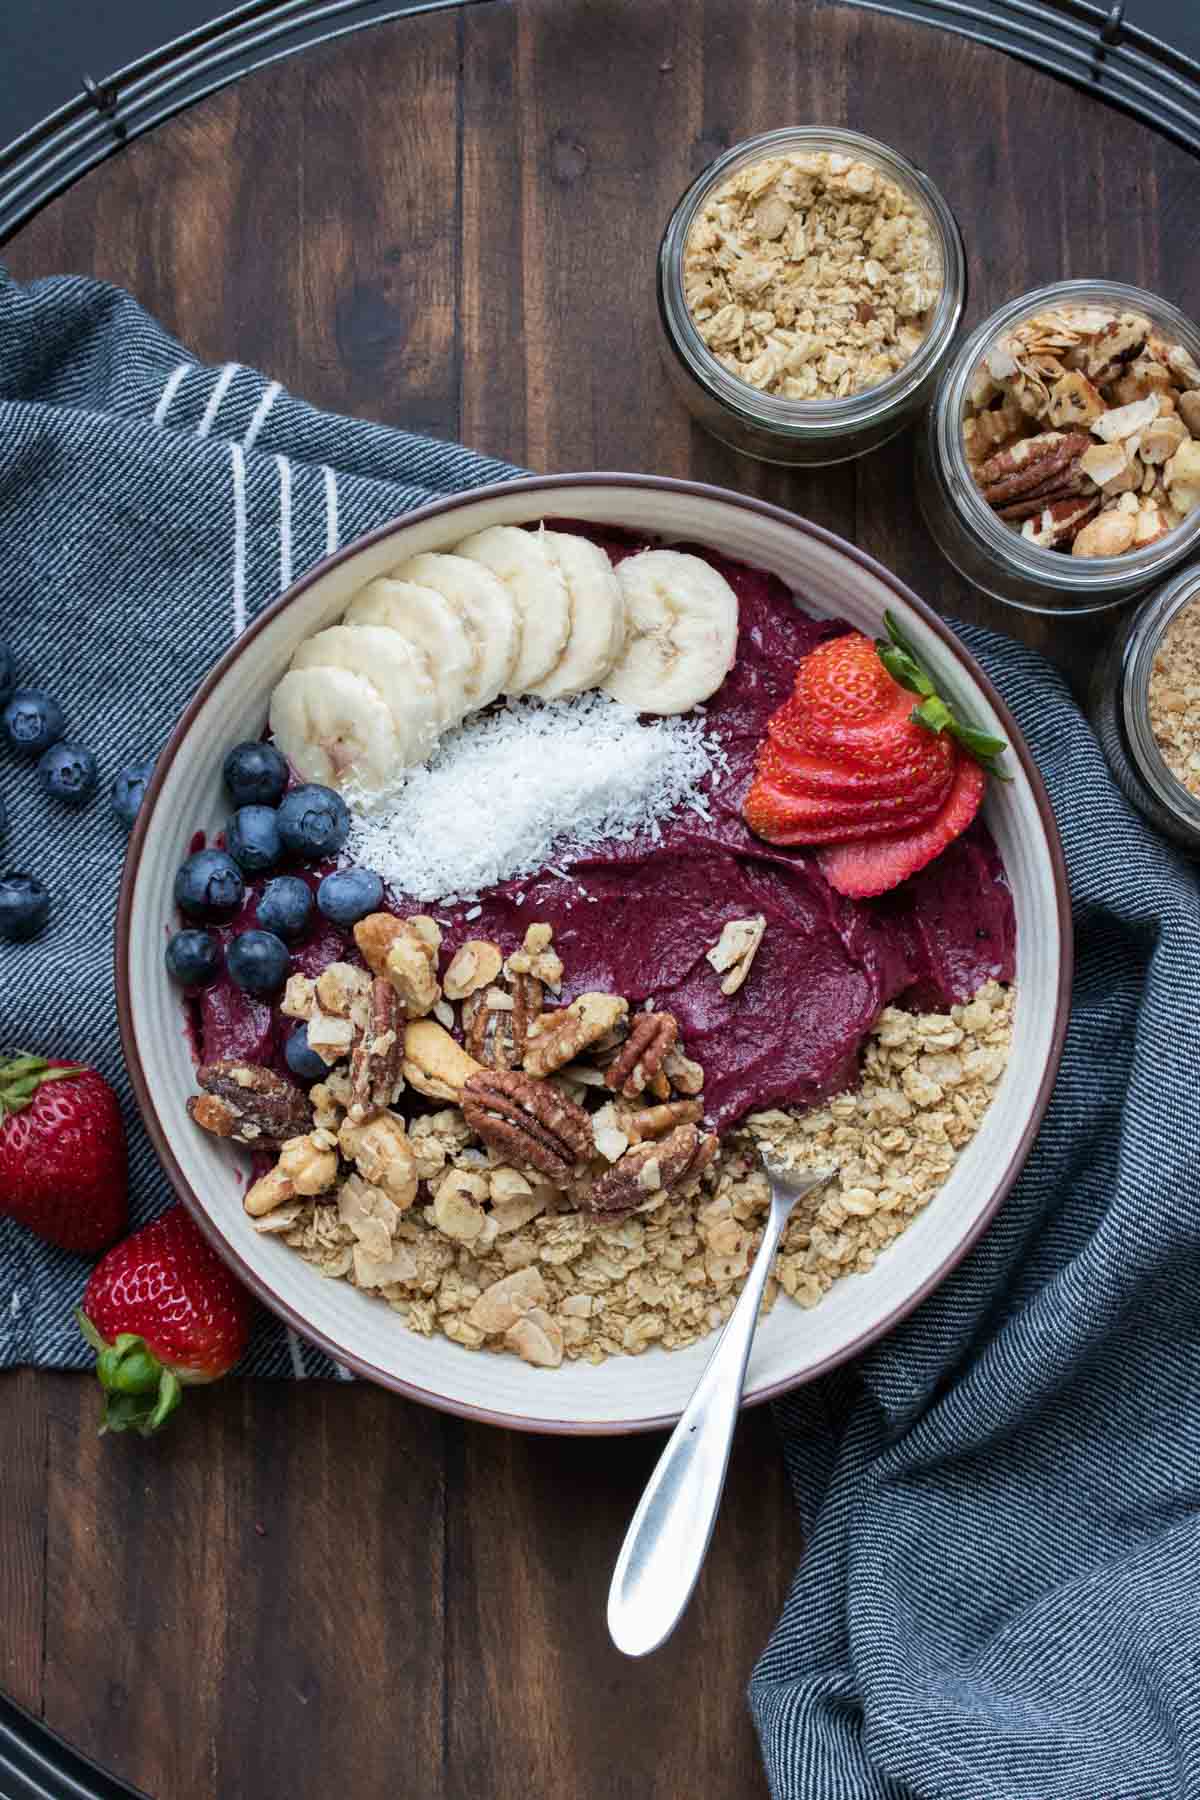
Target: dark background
x=46, y=45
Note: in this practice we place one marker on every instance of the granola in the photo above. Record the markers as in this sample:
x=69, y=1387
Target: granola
x=644, y=1234
x=812, y=275
x=1081, y=431
x=1174, y=696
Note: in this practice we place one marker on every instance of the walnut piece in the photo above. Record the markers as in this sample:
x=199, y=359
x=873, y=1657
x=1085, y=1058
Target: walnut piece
x=404, y=952
x=735, y=950
x=249, y=1104
x=557, y=1038
x=529, y=1122
x=657, y=1121
x=536, y=958
x=309, y=1163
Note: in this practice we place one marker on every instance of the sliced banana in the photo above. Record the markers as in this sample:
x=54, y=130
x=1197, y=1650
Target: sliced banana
x=334, y=728
x=681, y=625
x=487, y=607
x=597, y=634
x=434, y=629
x=539, y=594
x=389, y=664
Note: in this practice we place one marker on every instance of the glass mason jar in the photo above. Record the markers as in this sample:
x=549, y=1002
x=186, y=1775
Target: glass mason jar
x=1119, y=708
x=983, y=547
x=771, y=427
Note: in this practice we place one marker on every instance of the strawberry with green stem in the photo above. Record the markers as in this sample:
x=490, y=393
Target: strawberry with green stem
x=162, y=1312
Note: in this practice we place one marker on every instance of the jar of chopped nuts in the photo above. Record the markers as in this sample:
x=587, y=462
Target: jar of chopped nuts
x=810, y=282
x=1059, y=465
x=1145, y=707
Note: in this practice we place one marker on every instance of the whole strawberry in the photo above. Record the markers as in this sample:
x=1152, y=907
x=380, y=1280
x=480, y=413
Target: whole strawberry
x=63, y=1163
x=161, y=1312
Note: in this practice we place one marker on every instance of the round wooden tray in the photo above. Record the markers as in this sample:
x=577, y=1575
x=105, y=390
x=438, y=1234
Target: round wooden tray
x=449, y=223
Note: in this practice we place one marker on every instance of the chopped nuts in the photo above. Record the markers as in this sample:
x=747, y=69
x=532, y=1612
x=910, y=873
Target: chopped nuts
x=1174, y=696
x=433, y=1063
x=404, y=952
x=1121, y=408
x=475, y=964
x=557, y=1038
x=383, y=1156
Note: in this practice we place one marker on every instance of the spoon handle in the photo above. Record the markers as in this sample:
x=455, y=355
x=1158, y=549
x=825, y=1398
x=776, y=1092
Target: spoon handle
x=665, y=1545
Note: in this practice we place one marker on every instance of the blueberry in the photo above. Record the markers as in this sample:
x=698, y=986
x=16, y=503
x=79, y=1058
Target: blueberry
x=24, y=907
x=252, y=839
x=129, y=790
x=32, y=721
x=285, y=907
x=313, y=822
x=256, y=775
x=209, y=885
x=8, y=671
x=349, y=895
x=302, y=1060
x=193, y=958
x=258, y=962
x=68, y=773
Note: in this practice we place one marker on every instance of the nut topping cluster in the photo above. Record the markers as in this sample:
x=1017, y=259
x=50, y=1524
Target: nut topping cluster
x=1083, y=431
x=579, y=1109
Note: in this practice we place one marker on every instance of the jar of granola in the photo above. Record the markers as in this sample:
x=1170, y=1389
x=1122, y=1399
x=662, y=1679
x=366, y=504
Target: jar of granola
x=1145, y=707
x=810, y=282
x=1059, y=466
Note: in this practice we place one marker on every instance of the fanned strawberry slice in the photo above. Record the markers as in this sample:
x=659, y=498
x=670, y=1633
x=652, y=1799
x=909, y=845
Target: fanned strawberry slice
x=846, y=704
x=872, y=865
x=786, y=818
x=916, y=776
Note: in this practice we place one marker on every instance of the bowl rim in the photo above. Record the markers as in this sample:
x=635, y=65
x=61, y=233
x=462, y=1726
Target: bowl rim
x=446, y=506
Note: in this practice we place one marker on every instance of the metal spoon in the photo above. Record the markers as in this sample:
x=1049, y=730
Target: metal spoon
x=668, y=1537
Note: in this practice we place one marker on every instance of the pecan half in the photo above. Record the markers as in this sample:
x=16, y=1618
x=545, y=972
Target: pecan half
x=651, y=1036
x=1029, y=465
x=528, y=1122
x=376, y=1075
x=557, y=1038
x=249, y=1104
x=649, y=1170
x=496, y=1022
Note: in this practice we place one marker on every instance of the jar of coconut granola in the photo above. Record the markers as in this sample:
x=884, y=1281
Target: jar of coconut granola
x=1145, y=707
x=810, y=282
x=1059, y=465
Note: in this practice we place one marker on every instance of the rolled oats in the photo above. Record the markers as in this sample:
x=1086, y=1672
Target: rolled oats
x=811, y=276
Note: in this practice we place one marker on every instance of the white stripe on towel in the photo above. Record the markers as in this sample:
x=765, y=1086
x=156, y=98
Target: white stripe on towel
x=237, y=461
x=298, y=1368
x=260, y=412
x=285, y=522
x=169, y=392
x=331, y=509
x=215, y=398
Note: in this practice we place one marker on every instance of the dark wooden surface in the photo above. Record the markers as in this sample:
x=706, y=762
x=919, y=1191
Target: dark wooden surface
x=450, y=223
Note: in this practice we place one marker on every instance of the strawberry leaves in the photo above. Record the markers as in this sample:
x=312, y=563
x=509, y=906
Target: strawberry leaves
x=935, y=713
x=21, y=1076
x=140, y=1394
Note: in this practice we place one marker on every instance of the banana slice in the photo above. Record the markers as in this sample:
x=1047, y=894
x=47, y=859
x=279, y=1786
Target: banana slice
x=434, y=629
x=681, y=632
x=487, y=608
x=334, y=728
x=597, y=634
x=393, y=667
x=539, y=594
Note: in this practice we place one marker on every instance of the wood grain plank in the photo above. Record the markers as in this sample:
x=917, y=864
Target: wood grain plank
x=252, y=1603
x=539, y=1701
x=23, y=1431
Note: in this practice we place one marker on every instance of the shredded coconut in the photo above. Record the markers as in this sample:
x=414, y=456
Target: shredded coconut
x=508, y=789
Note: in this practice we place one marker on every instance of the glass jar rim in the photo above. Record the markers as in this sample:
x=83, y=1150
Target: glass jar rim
x=818, y=416
x=1086, y=576
x=1146, y=634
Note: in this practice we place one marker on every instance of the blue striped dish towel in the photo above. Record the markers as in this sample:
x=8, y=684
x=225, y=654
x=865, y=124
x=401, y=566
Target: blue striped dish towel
x=999, y=1597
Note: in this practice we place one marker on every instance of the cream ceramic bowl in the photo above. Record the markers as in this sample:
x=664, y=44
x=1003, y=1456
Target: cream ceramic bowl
x=625, y=1393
